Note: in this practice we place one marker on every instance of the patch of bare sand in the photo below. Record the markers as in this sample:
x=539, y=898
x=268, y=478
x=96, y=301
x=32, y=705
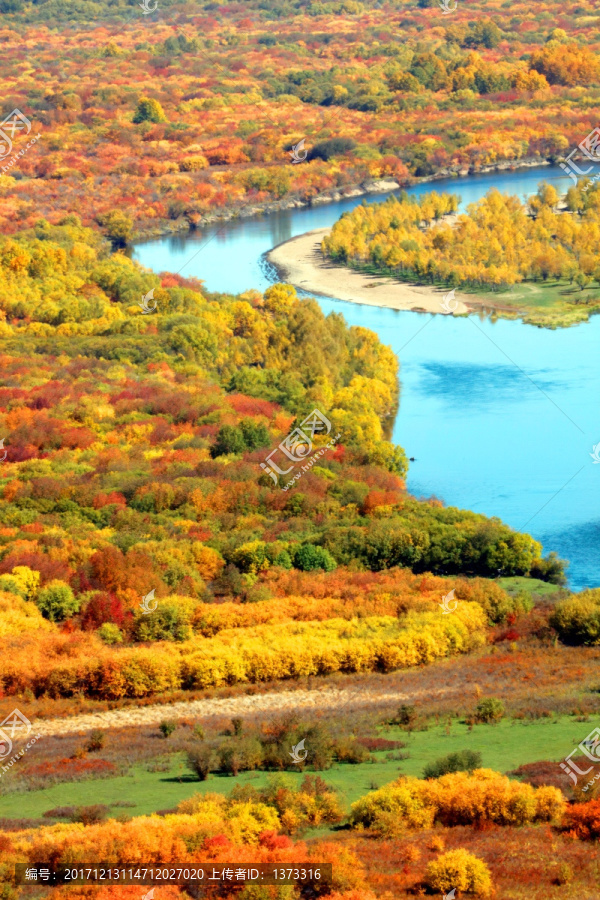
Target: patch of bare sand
x=343, y=699
x=301, y=262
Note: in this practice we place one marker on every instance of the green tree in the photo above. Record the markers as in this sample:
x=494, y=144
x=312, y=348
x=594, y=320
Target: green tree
x=462, y=761
x=489, y=709
x=251, y=557
x=230, y=439
x=170, y=622
x=332, y=147
x=57, y=601
x=149, y=110
x=429, y=71
x=307, y=558
x=118, y=226
x=483, y=33
x=167, y=727
x=110, y=633
x=255, y=435
x=201, y=760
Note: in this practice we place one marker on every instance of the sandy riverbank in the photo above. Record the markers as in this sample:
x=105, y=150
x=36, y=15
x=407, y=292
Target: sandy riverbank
x=301, y=263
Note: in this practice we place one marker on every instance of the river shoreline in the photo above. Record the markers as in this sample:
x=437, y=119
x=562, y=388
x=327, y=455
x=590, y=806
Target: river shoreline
x=480, y=393
x=299, y=261
x=359, y=189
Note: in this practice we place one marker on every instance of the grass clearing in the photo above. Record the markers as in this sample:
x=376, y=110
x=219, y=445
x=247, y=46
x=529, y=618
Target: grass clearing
x=503, y=747
x=538, y=590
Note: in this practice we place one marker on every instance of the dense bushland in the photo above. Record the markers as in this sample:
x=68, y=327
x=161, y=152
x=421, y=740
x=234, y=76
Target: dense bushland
x=133, y=450
x=78, y=663
x=159, y=122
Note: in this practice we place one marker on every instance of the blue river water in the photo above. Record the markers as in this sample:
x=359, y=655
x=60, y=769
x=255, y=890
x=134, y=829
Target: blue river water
x=501, y=417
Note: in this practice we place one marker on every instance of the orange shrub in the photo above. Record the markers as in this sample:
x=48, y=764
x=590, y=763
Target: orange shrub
x=582, y=820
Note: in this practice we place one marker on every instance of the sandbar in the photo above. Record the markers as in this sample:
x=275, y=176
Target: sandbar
x=300, y=262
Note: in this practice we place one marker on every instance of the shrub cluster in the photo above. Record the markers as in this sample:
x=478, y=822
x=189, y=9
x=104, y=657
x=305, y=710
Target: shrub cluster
x=459, y=870
x=252, y=655
x=577, y=618
x=250, y=748
x=462, y=761
x=459, y=798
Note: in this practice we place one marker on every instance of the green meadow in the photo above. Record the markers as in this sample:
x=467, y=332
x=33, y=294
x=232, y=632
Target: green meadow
x=503, y=747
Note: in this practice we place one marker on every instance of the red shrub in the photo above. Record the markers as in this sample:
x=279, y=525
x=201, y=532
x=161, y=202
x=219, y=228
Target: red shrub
x=115, y=497
x=379, y=498
x=48, y=568
x=582, y=820
x=273, y=841
x=33, y=528
x=509, y=634
x=103, y=607
x=372, y=743
x=252, y=406
x=73, y=767
x=212, y=846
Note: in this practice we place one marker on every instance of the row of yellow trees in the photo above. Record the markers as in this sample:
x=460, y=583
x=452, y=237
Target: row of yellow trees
x=62, y=665
x=499, y=242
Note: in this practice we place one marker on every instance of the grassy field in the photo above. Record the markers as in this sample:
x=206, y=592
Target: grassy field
x=548, y=293
x=538, y=590
x=541, y=294
x=549, y=303
x=503, y=747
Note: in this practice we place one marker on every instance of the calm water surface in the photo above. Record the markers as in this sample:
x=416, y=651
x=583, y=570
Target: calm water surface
x=501, y=417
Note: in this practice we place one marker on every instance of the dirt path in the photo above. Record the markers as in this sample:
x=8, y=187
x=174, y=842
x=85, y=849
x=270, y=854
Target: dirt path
x=302, y=264
x=275, y=702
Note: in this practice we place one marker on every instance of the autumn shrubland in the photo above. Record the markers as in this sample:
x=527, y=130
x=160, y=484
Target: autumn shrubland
x=132, y=467
x=260, y=826
x=155, y=123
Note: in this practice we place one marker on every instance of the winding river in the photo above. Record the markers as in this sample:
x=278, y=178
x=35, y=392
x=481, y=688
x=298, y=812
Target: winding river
x=501, y=417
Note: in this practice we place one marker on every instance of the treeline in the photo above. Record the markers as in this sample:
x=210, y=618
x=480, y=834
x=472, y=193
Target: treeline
x=57, y=282
x=499, y=242
x=242, y=656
